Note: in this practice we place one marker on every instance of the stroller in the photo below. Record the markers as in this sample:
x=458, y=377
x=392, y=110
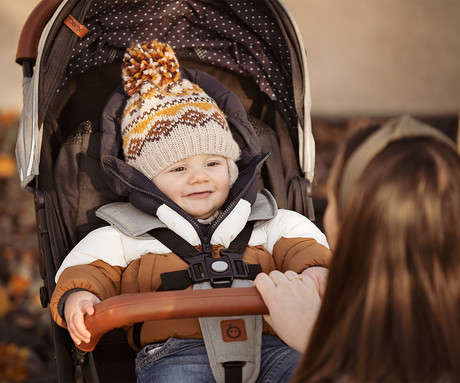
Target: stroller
x=71, y=52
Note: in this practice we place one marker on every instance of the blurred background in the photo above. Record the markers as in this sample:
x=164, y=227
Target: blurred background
x=367, y=61
x=365, y=57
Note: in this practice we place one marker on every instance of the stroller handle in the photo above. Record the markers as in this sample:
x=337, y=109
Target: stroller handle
x=127, y=309
x=31, y=31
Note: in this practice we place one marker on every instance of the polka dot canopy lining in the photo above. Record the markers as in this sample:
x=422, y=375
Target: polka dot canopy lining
x=231, y=34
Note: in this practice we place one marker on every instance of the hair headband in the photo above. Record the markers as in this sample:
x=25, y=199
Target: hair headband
x=394, y=130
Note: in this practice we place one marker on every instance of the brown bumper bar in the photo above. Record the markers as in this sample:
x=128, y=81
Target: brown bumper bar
x=127, y=309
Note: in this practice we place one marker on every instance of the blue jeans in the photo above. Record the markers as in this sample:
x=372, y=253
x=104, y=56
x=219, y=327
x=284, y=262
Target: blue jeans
x=186, y=361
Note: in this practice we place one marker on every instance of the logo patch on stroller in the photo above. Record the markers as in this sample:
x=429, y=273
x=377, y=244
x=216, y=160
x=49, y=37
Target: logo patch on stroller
x=233, y=330
x=77, y=28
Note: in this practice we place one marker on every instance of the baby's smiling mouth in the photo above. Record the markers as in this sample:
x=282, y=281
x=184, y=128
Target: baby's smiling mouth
x=199, y=194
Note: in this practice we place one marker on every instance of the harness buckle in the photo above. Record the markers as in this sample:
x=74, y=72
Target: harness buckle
x=197, y=270
x=220, y=272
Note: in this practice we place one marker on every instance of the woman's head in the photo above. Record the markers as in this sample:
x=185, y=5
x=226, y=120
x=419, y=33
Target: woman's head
x=358, y=152
x=391, y=309
x=408, y=199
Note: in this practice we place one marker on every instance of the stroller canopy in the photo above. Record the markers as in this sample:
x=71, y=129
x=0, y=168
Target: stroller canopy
x=258, y=39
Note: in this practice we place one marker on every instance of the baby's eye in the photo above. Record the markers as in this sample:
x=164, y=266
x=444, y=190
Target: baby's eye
x=213, y=163
x=177, y=169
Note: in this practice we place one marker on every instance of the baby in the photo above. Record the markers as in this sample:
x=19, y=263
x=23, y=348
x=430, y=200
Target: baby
x=181, y=167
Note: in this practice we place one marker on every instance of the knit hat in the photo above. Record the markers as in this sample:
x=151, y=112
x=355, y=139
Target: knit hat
x=168, y=118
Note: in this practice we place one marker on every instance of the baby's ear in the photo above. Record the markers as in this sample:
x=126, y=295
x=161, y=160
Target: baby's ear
x=232, y=171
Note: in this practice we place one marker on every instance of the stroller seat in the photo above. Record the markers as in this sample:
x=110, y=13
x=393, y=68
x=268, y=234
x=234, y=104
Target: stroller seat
x=68, y=80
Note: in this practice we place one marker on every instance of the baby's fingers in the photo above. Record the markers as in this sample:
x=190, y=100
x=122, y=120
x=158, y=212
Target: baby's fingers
x=78, y=330
x=76, y=339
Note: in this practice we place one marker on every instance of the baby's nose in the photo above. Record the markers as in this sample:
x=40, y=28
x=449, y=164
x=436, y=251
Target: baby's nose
x=198, y=175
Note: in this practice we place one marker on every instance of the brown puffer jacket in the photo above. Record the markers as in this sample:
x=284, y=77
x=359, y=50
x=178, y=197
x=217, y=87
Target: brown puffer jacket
x=111, y=260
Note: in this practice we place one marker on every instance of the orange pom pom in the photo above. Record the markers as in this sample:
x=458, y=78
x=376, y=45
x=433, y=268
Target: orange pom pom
x=153, y=62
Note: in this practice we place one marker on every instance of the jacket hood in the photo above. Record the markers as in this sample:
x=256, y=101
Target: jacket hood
x=127, y=181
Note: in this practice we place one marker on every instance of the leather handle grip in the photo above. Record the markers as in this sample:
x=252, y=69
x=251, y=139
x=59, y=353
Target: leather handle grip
x=127, y=309
x=32, y=29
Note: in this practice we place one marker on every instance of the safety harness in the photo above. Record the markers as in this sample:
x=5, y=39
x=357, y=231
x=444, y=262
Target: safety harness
x=220, y=272
x=233, y=344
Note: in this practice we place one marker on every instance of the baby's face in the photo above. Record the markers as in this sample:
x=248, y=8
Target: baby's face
x=198, y=184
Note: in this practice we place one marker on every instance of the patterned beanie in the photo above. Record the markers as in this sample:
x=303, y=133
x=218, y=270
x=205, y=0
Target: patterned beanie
x=168, y=118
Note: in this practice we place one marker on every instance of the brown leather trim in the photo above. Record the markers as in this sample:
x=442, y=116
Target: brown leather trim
x=127, y=309
x=32, y=30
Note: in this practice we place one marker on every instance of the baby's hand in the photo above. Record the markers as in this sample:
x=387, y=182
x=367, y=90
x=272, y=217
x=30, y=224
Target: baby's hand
x=76, y=306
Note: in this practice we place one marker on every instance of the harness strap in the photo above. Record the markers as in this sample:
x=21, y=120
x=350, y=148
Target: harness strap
x=233, y=344
x=239, y=244
x=185, y=250
x=233, y=371
x=174, y=242
x=202, y=266
x=180, y=280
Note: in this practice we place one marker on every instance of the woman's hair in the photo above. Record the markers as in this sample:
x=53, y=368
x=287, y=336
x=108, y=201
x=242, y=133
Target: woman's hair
x=391, y=311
